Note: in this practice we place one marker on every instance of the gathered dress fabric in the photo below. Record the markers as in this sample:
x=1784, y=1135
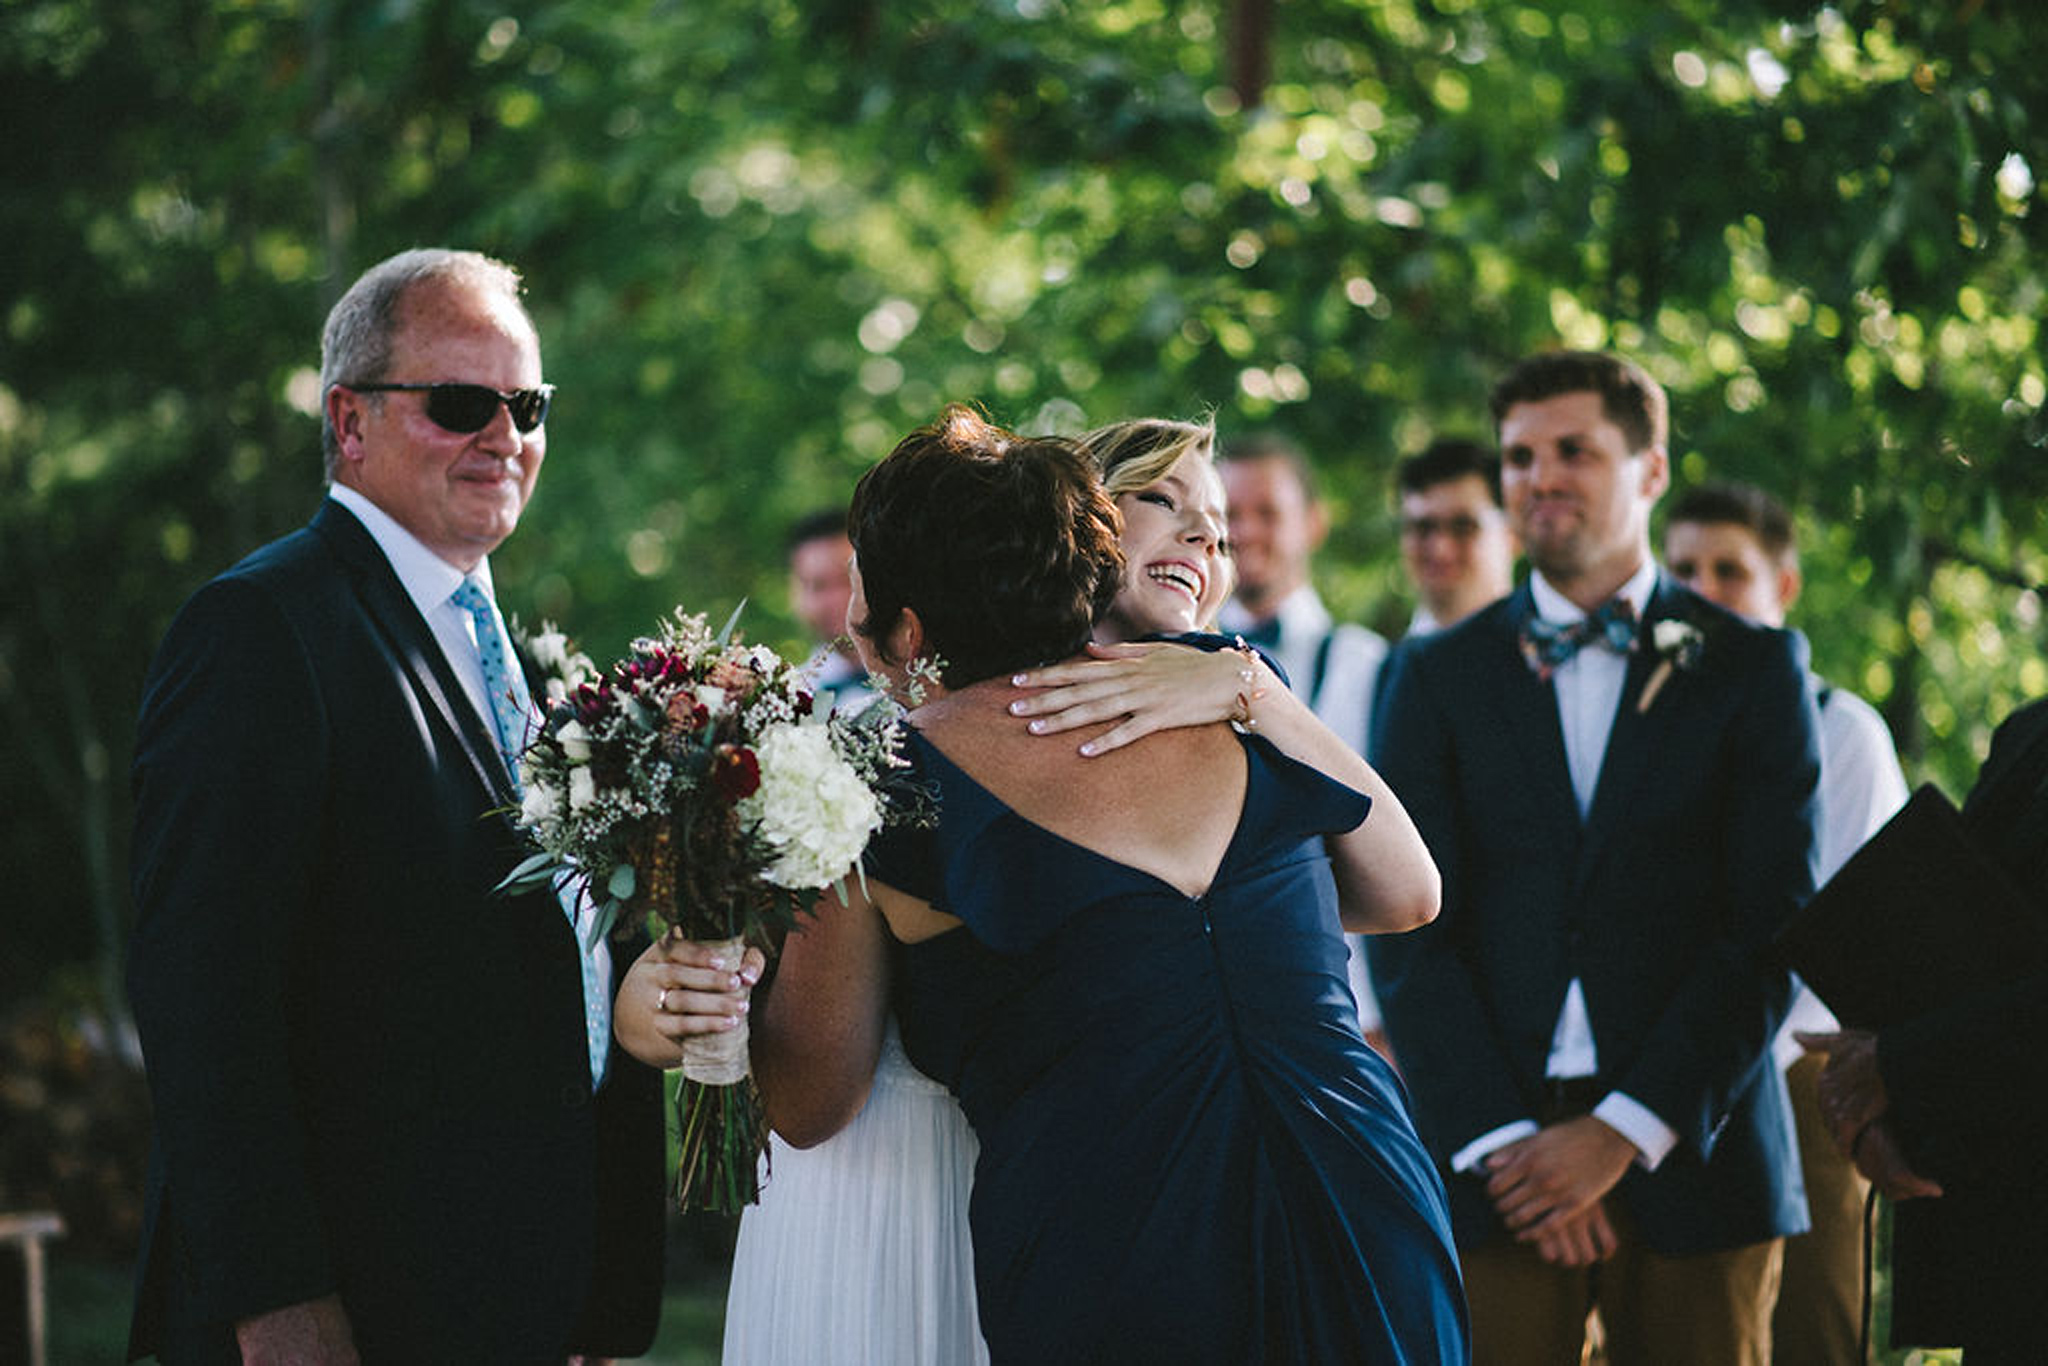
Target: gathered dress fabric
x=1188, y=1152
x=858, y=1253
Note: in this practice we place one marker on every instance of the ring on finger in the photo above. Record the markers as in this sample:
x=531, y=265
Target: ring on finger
x=661, y=1001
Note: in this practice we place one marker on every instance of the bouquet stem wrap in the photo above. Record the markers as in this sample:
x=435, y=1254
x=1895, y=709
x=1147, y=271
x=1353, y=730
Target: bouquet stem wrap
x=719, y=1059
x=721, y=1126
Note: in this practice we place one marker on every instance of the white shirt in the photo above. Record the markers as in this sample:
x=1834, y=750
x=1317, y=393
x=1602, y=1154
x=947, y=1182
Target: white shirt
x=430, y=582
x=1588, y=689
x=1861, y=788
x=1351, y=669
x=840, y=682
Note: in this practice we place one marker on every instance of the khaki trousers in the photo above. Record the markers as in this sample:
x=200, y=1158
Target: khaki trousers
x=1713, y=1309
x=1818, y=1321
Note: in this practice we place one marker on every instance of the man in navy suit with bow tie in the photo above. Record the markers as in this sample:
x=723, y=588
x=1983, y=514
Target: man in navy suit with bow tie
x=390, y=1123
x=1616, y=779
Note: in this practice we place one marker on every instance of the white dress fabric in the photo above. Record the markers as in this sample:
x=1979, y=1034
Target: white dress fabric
x=858, y=1254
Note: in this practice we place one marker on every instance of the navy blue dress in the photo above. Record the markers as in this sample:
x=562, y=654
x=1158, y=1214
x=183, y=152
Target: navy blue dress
x=1188, y=1153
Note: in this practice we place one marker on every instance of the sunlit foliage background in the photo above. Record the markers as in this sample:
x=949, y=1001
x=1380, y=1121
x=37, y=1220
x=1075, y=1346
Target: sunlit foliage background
x=762, y=239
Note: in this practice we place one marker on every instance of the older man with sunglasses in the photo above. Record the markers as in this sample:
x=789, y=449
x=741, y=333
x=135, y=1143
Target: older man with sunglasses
x=390, y=1123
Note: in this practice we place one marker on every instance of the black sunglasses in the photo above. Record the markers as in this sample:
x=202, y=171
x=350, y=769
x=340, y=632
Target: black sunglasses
x=466, y=408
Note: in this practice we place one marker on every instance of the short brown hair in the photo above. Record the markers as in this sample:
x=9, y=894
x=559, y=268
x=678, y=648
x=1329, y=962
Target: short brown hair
x=1632, y=401
x=1005, y=545
x=1446, y=460
x=1743, y=505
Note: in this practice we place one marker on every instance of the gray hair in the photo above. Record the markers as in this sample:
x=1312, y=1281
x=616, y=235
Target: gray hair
x=355, y=346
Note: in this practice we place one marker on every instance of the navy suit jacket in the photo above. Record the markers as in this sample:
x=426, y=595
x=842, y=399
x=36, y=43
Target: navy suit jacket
x=1659, y=901
x=368, y=1070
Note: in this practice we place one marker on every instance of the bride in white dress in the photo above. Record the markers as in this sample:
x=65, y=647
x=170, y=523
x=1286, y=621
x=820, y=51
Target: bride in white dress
x=858, y=1253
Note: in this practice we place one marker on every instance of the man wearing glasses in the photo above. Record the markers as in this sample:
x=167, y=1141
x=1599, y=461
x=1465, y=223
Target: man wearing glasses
x=1455, y=542
x=390, y=1125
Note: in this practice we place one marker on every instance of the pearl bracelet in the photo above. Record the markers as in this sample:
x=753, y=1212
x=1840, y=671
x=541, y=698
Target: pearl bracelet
x=1242, y=719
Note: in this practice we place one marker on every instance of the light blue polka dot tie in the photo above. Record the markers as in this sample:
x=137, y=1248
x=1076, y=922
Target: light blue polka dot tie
x=504, y=683
x=511, y=714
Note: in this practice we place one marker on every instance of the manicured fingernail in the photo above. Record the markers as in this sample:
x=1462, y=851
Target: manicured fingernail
x=1016, y=709
x=718, y=965
x=1016, y=680
x=1089, y=749
x=746, y=1006
x=1036, y=727
x=729, y=1022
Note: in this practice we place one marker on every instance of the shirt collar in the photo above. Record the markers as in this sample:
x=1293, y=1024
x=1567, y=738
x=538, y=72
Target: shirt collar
x=1554, y=606
x=1301, y=614
x=427, y=579
x=1424, y=623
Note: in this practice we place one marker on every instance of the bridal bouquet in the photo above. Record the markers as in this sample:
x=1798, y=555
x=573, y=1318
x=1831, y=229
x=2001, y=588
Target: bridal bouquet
x=691, y=783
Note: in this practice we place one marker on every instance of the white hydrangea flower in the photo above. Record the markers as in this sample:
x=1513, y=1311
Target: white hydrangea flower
x=582, y=788
x=812, y=809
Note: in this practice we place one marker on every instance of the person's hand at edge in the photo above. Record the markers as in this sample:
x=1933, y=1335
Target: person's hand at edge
x=310, y=1333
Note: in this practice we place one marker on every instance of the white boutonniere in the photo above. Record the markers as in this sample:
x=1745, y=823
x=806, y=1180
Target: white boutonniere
x=1679, y=645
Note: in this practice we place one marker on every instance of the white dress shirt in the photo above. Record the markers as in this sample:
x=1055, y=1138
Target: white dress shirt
x=1861, y=788
x=1342, y=698
x=430, y=582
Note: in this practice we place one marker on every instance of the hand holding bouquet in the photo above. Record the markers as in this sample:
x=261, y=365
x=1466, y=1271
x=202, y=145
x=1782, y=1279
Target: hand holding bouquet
x=691, y=783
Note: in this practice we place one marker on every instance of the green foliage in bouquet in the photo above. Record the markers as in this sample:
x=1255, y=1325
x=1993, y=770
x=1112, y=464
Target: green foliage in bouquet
x=692, y=784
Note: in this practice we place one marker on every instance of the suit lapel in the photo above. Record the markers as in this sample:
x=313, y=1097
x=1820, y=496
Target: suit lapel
x=1637, y=736
x=413, y=645
x=1529, y=711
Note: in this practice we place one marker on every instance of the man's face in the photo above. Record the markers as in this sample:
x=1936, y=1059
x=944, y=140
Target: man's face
x=1273, y=529
x=1577, y=497
x=1724, y=563
x=820, y=584
x=460, y=493
x=1455, y=543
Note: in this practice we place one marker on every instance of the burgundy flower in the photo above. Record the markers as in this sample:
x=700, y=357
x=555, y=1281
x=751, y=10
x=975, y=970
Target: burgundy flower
x=736, y=772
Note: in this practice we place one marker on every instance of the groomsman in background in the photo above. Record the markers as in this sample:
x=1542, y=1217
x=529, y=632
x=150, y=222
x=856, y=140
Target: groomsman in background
x=1459, y=555
x=1734, y=544
x=1455, y=542
x=820, y=584
x=1277, y=523
x=1616, y=780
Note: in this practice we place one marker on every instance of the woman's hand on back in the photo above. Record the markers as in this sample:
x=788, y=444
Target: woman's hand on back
x=1150, y=685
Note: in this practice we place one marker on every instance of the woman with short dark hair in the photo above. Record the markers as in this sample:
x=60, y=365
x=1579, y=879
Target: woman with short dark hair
x=1127, y=967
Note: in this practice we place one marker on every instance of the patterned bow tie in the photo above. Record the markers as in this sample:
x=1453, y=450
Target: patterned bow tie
x=1547, y=645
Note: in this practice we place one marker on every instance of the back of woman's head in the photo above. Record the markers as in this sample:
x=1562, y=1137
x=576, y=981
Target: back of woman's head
x=1005, y=546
